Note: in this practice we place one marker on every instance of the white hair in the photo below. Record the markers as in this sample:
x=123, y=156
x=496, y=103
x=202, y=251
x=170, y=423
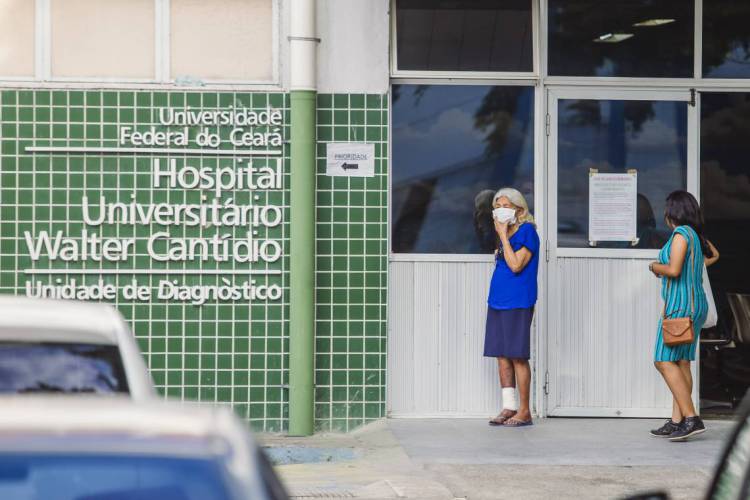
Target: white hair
x=517, y=199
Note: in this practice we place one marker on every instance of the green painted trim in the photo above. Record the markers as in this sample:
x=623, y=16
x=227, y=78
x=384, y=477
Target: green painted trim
x=302, y=263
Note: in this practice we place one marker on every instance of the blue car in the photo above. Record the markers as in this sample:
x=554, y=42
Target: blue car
x=93, y=448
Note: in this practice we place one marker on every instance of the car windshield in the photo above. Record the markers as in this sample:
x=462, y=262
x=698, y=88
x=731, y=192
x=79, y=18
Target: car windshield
x=61, y=368
x=106, y=477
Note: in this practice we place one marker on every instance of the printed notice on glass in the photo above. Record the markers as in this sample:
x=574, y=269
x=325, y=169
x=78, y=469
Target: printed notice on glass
x=612, y=207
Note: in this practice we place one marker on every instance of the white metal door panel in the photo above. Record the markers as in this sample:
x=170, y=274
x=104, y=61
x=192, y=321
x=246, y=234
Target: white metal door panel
x=400, y=361
x=602, y=354
x=436, y=338
x=603, y=303
x=426, y=331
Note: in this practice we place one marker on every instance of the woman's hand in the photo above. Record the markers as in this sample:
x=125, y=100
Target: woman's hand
x=501, y=228
x=710, y=261
x=651, y=268
x=515, y=259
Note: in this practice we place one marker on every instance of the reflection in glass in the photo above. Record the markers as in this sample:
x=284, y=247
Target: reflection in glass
x=484, y=227
x=726, y=39
x=451, y=146
x=725, y=197
x=470, y=35
x=621, y=38
x=613, y=137
x=60, y=368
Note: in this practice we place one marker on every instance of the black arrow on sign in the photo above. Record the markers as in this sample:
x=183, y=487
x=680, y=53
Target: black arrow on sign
x=350, y=166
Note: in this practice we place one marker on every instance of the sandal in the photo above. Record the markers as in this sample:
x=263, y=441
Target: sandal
x=500, y=419
x=514, y=422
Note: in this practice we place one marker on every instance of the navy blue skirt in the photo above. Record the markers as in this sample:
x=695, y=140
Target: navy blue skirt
x=508, y=333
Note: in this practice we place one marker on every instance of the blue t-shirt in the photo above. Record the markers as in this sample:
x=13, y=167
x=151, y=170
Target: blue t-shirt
x=509, y=290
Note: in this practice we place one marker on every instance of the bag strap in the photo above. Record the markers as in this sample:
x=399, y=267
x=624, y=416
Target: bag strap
x=692, y=288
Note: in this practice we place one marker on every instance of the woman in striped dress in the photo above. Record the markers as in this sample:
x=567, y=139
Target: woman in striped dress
x=680, y=267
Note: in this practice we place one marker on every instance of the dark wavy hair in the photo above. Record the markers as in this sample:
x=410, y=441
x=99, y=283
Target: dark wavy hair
x=682, y=209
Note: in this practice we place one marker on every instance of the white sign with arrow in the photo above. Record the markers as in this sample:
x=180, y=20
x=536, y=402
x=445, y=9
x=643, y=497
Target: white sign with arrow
x=350, y=159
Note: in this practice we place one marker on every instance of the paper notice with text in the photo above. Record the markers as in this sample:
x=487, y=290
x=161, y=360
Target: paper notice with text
x=612, y=206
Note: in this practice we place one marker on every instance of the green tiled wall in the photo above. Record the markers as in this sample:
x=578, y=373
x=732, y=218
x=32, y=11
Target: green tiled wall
x=351, y=267
x=222, y=351
x=218, y=352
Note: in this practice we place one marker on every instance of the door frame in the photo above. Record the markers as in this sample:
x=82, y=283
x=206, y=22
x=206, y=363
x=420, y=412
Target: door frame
x=539, y=327
x=551, y=97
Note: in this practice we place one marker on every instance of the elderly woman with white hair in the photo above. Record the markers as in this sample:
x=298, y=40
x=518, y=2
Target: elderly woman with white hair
x=511, y=301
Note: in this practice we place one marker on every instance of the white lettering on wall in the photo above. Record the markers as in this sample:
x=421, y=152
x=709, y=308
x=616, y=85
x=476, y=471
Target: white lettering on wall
x=246, y=228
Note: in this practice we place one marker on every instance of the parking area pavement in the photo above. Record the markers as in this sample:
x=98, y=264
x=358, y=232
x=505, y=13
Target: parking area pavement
x=466, y=458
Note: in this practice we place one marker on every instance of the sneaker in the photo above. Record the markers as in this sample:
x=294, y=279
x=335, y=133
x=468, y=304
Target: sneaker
x=665, y=430
x=691, y=426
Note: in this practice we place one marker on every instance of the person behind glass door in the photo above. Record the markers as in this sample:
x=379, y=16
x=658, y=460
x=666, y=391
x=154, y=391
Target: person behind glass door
x=648, y=236
x=680, y=266
x=513, y=294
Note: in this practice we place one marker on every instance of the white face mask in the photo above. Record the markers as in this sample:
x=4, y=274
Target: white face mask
x=504, y=215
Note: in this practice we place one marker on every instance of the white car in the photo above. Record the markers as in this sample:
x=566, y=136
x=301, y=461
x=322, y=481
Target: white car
x=68, y=347
x=93, y=448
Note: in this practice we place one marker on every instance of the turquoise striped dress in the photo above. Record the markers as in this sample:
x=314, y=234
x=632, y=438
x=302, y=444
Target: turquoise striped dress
x=678, y=298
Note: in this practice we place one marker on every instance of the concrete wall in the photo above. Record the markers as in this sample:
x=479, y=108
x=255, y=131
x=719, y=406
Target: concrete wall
x=353, y=52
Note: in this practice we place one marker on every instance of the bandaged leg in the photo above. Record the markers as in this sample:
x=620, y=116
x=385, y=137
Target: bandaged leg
x=509, y=399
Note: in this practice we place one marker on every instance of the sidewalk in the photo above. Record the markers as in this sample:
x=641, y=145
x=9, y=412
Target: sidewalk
x=465, y=458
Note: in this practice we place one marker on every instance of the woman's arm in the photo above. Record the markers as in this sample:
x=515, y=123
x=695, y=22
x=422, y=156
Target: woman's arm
x=676, y=259
x=516, y=259
x=710, y=261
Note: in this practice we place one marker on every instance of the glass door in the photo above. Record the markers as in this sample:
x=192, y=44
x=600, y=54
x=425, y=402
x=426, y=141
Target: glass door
x=725, y=198
x=603, y=302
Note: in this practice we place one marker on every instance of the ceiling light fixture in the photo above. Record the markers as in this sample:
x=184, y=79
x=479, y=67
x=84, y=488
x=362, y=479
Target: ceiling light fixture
x=613, y=37
x=654, y=22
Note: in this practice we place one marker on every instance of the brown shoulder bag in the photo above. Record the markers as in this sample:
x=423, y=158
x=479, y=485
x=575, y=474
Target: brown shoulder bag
x=679, y=331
